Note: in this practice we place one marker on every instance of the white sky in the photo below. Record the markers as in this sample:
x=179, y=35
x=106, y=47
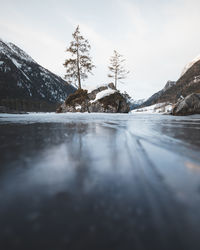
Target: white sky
x=157, y=37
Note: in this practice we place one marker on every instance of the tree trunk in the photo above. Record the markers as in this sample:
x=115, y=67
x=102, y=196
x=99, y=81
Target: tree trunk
x=78, y=70
x=79, y=77
x=116, y=79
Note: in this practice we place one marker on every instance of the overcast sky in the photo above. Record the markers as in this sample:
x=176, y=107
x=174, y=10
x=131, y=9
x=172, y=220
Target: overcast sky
x=157, y=37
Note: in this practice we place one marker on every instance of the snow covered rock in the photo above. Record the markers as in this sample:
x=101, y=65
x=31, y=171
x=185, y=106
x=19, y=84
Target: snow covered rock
x=188, y=106
x=104, y=99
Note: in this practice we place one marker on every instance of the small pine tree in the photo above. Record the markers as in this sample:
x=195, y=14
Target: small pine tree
x=117, y=68
x=80, y=63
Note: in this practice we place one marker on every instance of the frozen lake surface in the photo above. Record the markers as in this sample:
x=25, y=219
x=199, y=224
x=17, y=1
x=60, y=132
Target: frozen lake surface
x=99, y=181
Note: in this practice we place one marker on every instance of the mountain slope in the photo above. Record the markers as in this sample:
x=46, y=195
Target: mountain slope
x=24, y=80
x=156, y=97
x=136, y=103
x=187, y=84
x=190, y=64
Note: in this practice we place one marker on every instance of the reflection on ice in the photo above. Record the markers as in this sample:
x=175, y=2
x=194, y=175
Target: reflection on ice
x=99, y=181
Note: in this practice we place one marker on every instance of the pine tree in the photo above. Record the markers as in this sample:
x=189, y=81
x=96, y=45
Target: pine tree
x=80, y=63
x=117, y=68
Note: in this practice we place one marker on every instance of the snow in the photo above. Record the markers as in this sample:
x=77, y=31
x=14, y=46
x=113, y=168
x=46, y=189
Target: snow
x=197, y=78
x=78, y=107
x=18, y=65
x=9, y=49
x=42, y=94
x=25, y=75
x=19, y=52
x=7, y=69
x=190, y=64
x=19, y=84
x=154, y=109
x=52, y=84
x=90, y=88
x=103, y=93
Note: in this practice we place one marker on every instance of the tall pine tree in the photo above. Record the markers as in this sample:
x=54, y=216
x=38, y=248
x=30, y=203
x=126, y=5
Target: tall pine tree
x=116, y=68
x=79, y=63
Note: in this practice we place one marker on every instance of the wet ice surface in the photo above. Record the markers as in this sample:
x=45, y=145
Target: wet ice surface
x=99, y=181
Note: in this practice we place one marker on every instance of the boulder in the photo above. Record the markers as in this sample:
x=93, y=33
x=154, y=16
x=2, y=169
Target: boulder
x=76, y=102
x=188, y=106
x=109, y=101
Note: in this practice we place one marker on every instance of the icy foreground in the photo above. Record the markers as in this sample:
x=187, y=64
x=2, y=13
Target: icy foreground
x=99, y=181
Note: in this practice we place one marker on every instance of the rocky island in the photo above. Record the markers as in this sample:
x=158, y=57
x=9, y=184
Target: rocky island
x=103, y=99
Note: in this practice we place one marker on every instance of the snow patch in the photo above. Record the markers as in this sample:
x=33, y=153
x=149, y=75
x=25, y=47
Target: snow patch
x=19, y=84
x=91, y=88
x=159, y=108
x=18, y=65
x=19, y=52
x=103, y=93
x=78, y=107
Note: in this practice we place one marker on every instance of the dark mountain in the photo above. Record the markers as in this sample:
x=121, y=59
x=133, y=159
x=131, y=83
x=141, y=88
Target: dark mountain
x=134, y=104
x=187, y=84
x=156, y=97
x=25, y=85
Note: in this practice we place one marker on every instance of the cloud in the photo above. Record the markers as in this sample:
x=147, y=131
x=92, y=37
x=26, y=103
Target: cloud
x=156, y=37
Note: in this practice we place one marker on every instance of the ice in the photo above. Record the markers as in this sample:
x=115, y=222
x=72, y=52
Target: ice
x=90, y=88
x=99, y=175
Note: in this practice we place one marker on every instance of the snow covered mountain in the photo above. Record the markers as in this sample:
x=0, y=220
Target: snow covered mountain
x=187, y=84
x=21, y=78
x=190, y=64
x=136, y=103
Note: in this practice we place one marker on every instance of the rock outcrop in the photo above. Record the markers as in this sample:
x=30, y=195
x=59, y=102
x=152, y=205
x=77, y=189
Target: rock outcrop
x=105, y=99
x=188, y=106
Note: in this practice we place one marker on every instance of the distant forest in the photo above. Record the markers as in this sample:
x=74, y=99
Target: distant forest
x=28, y=105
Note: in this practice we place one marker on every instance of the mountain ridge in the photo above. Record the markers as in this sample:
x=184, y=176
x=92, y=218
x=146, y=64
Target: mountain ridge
x=188, y=83
x=22, y=78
